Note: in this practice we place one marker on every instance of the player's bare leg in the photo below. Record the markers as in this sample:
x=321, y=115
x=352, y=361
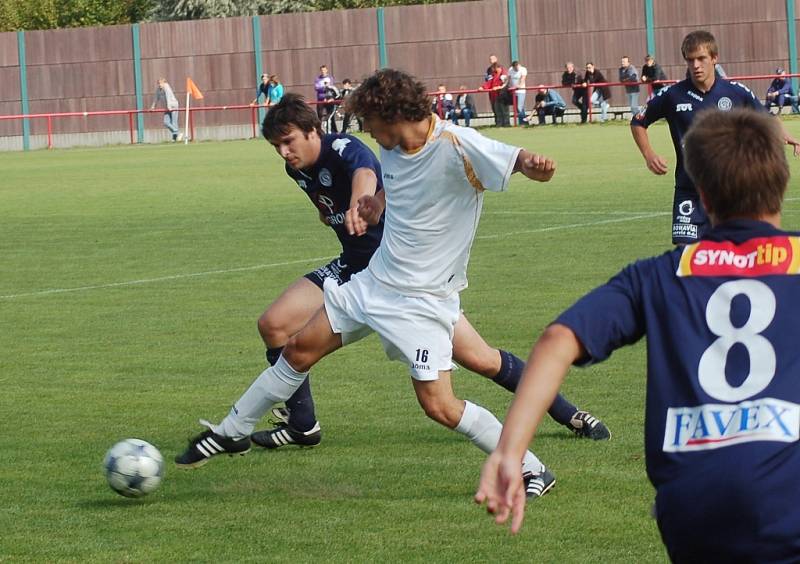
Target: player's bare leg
x=472, y=352
x=479, y=425
x=289, y=312
x=283, y=318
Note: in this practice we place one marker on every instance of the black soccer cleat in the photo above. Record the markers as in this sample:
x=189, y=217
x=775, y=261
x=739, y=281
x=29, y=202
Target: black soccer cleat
x=536, y=485
x=208, y=444
x=584, y=424
x=284, y=435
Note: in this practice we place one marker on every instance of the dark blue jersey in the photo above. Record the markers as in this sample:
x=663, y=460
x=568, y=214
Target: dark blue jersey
x=723, y=371
x=680, y=102
x=328, y=183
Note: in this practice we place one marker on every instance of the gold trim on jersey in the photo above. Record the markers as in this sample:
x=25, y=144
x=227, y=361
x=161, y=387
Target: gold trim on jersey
x=428, y=137
x=469, y=170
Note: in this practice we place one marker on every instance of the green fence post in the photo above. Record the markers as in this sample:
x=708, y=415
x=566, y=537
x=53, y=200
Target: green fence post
x=137, y=81
x=513, y=40
x=257, y=58
x=648, y=22
x=791, y=24
x=23, y=91
x=382, y=56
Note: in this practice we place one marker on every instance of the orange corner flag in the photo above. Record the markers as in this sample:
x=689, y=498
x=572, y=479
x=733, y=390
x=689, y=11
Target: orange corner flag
x=192, y=89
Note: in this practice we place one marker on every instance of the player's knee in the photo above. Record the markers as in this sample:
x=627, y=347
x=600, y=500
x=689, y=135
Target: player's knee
x=299, y=357
x=442, y=411
x=272, y=329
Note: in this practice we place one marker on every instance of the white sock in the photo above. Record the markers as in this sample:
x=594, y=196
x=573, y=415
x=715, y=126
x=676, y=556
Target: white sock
x=483, y=429
x=276, y=384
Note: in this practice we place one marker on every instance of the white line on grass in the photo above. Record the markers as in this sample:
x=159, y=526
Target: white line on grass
x=162, y=278
x=574, y=225
x=571, y=212
x=315, y=259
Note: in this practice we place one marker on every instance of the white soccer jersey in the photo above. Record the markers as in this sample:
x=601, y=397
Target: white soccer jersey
x=434, y=198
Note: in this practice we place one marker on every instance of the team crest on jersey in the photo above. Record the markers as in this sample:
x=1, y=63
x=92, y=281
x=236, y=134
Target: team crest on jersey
x=725, y=104
x=718, y=425
x=755, y=257
x=325, y=178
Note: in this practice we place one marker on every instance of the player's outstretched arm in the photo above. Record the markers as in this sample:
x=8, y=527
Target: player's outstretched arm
x=364, y=183
x=370, y=208
x=656, y=163
x=536, y=167
x=501, y=487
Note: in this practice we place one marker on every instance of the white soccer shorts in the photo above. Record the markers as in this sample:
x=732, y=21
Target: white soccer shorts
x=415, y=330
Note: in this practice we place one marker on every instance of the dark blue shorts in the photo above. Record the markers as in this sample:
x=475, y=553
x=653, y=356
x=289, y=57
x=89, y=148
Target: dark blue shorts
x=689, y=219
x=337, y=269
x=701, y=520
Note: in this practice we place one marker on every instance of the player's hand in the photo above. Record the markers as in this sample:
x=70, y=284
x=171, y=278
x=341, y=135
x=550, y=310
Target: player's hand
x=656, y=164
x=370, y=209
x=538, y=167
x=794, y=143
x=354, y=223
x=502, y=490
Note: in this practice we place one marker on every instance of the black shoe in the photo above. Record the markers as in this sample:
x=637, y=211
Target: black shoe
x=536, y=485
x=283, y=435
x=584, y=424
x=208, y=444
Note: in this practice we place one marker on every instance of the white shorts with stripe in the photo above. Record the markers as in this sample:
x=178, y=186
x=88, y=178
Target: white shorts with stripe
x=416, y=330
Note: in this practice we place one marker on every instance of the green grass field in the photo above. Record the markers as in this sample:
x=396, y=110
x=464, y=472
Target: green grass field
x=132, y=278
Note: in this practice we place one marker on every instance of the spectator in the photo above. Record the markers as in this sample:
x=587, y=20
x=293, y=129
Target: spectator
x=264, y=89
x=166, y=97
x=326, y=95
x=548, y=103
x=490, y=69
x=570, y=78
x=516, y=80
x=651, y=71
x=499, y=95
x=600, y=95
x=780, y=93
x=464, y=107
x=628, y=75
x=275, y=90
x=443, y=105
x=347, y=88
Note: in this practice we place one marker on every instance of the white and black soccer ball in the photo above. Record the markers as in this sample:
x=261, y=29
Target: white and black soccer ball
x=133, y=467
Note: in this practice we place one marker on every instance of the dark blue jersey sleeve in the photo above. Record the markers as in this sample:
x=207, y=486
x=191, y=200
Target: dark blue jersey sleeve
x=354, y=154
x=609, y=317
x=746, y=96
x=654, y=110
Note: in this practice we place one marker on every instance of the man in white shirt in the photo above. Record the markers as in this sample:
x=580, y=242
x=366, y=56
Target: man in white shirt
x=434, y=175
x=516, y=79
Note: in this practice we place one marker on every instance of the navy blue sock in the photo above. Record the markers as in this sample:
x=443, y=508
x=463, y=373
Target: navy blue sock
x=300, y=404
x=273, y=355
x=511, y=368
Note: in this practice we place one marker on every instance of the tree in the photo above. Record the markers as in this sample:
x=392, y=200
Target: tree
x=48, y=14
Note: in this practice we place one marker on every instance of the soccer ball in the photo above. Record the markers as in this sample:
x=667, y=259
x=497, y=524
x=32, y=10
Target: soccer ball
x=133, y=467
